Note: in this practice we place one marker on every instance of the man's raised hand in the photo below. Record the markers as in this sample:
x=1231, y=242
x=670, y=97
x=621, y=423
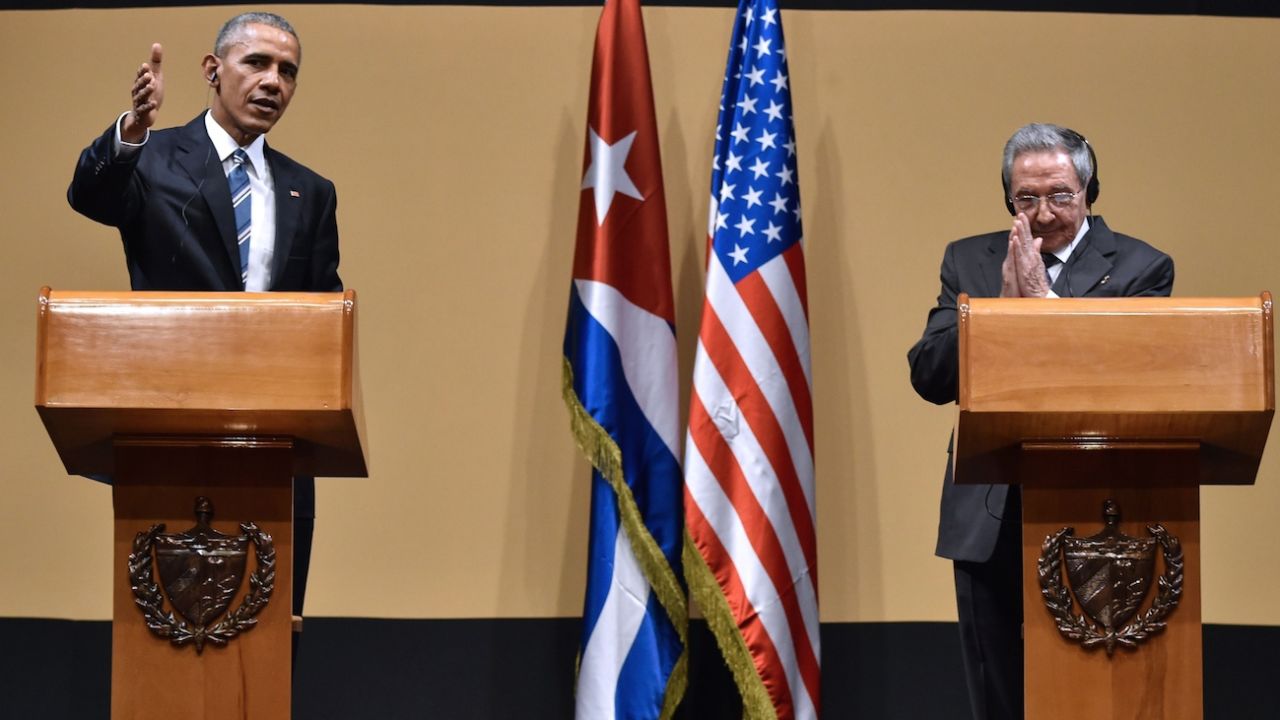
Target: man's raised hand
x=1009, y=286
x=148, y=96
x=1024, y=249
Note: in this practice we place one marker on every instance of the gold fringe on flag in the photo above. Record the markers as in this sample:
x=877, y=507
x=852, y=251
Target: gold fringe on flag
x=605, y=455
x=706, y=591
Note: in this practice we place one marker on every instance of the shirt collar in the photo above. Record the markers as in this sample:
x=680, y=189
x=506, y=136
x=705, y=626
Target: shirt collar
x=1061, y=253
x=223, y=143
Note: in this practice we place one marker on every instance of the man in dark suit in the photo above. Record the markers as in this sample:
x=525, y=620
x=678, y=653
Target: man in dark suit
x=1055, y=248
x=170, y=193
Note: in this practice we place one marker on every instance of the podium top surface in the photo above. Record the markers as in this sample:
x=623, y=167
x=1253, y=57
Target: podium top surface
x=1116, y=355
x=204, y=364
x=1119, y=372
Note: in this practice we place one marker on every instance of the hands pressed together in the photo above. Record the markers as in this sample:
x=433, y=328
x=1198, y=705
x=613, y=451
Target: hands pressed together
x=1023, y=271
x=148, y=96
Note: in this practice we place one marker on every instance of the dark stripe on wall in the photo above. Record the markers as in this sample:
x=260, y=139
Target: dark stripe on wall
x=58, y=669
x=350, y=669
x=1236, y=8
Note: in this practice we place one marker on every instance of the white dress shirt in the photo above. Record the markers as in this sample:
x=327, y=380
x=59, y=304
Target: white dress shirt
x=262, y=233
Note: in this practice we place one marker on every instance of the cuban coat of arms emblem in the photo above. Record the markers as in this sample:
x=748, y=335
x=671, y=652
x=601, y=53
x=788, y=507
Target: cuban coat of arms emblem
x=1109, y=575
x=201, y=570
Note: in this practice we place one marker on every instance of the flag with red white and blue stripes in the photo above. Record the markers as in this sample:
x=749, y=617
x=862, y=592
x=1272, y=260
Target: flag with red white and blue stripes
x=620, y=384
x=751, y=557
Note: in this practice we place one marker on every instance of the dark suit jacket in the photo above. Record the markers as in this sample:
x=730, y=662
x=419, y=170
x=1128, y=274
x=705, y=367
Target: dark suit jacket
x=1104, y=264
x=172, y=205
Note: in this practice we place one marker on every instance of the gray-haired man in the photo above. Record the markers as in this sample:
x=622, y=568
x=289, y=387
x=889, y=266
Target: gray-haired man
x=1056, y=247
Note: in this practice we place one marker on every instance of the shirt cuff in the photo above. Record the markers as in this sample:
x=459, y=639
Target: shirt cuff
x=124, y=150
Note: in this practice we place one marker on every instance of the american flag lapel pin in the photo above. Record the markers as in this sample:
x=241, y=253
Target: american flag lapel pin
x=295, y=193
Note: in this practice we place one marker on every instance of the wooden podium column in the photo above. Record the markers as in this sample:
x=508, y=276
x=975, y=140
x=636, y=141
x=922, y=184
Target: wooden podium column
x=158, y=482
x=1162, y=678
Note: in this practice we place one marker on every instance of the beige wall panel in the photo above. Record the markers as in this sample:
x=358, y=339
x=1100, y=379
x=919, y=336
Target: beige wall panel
x=455, y=137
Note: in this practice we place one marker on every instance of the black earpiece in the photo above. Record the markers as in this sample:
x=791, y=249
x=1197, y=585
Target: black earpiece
x=213, y=77
x=1074, y=140
x=1091, y=189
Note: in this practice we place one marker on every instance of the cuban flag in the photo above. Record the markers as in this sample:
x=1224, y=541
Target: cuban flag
x=621, y=388
x=751, y=558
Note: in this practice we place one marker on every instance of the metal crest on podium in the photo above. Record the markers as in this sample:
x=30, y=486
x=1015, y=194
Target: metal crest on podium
x=201, y=571
x=1110, y=574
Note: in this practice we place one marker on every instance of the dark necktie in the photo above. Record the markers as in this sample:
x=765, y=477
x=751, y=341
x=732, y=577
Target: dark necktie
x=1049, y=261
x=238, y=180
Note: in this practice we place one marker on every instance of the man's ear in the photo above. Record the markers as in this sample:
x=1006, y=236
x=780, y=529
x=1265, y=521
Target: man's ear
x=209, y=65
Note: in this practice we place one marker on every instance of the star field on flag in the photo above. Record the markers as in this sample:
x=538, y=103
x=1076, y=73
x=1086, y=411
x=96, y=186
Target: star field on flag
x=759, y=154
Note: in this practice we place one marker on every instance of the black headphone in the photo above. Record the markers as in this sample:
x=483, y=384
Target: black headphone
x=213, y=77
x=1073, y=142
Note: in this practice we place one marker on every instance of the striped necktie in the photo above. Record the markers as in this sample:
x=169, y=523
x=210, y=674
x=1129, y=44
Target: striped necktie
x=242, y=202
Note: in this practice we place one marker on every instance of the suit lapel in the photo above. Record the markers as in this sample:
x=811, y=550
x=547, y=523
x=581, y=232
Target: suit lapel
x=992, y=272
x=1090, y=263
x=288, y=210
x=200, y=161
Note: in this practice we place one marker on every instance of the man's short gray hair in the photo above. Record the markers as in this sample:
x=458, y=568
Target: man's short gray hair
x=1045, y=136
x=231, y=30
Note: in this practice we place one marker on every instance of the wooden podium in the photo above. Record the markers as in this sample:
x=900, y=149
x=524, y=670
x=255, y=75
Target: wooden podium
x=1139, y=400
x=228, y=396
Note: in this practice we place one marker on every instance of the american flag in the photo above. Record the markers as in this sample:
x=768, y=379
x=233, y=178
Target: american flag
x=749, y=489
x=620, y=385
